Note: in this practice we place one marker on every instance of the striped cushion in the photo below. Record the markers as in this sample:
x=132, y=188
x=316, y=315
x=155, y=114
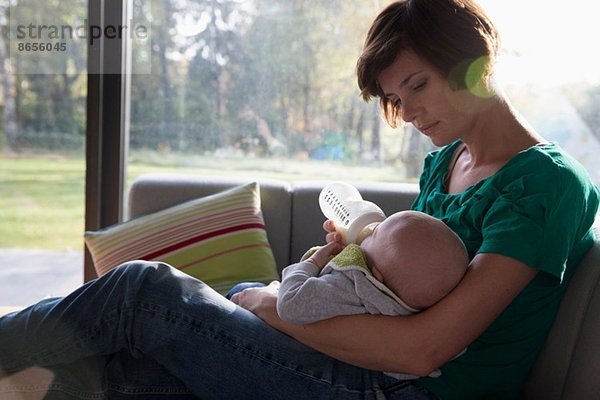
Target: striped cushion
x=220, y=239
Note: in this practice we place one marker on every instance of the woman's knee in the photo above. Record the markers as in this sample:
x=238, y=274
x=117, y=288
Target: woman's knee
x=158, y=283
x=142, y=267
x=146, y=282
x=135, y=274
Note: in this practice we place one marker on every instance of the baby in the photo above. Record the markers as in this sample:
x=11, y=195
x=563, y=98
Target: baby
x=411, y=259
x=409, y=262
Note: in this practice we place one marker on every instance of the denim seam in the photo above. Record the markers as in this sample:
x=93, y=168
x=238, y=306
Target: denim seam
x=142, y=390
x=52, y=387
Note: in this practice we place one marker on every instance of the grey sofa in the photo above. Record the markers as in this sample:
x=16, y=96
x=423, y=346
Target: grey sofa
x=569, y=365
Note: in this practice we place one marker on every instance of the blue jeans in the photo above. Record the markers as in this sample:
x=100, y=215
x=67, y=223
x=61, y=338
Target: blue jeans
x=147, y=330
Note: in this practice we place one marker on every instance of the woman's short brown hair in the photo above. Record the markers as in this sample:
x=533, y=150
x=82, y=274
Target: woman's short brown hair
x=448, y=34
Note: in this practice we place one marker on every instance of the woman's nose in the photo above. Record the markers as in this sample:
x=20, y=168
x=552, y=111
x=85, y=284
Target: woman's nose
x=409, y=112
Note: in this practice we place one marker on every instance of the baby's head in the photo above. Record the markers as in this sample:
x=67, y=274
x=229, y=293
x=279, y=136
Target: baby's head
x=417, y=256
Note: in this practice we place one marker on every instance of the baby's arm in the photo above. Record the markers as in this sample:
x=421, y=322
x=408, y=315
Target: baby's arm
x=305, y=297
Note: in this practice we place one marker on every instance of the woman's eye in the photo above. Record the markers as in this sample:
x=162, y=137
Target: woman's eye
x=420, y=85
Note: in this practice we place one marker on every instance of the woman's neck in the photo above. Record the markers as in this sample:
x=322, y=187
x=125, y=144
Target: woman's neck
x=498, y=134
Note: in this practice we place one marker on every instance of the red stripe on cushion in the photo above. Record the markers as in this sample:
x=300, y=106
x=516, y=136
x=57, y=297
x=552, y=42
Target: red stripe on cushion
x=201, y=260
x=200, y=238
x=175, y=233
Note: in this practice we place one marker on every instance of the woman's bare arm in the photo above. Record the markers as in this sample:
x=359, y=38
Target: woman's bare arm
x=415, y=344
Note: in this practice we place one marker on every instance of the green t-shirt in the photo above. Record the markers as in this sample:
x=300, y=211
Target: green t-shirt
x=538, y=208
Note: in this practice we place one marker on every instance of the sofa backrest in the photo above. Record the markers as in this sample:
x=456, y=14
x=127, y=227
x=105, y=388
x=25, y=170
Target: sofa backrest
x=293, y=220
x=568, y=365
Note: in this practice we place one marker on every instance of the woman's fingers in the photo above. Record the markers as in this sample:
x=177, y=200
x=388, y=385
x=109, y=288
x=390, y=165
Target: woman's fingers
x=329, y=226
x=333, y=237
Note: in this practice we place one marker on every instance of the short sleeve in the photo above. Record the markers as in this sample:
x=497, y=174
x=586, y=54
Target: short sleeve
x=434, y=170
x=424, y=178
x=536, y=219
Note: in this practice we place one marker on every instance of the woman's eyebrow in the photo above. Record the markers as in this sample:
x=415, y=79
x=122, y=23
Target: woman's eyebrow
x=405, y=81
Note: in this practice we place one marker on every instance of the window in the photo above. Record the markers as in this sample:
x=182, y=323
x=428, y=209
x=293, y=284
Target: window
x=551, y=72
x=43, y=90
x=232, y=87
x=267, y=88
x=260, y=88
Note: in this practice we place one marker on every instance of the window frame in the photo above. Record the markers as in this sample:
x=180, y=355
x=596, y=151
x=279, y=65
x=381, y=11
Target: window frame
x=107, y=120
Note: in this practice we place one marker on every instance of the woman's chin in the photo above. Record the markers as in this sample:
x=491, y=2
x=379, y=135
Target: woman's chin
x=440, y=142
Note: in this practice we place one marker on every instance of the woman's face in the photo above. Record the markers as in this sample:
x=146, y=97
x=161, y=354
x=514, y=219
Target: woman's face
x=426, y=100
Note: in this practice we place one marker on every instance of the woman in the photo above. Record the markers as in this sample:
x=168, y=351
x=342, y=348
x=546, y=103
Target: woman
x=522, y=207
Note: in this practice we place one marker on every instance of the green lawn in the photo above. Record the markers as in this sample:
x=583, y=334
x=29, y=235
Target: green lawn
x=41, y=202
x=42, y=197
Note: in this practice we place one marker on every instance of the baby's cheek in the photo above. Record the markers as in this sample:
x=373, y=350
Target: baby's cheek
x=377, y=274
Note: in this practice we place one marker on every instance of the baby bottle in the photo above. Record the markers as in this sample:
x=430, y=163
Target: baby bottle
x=354, y=217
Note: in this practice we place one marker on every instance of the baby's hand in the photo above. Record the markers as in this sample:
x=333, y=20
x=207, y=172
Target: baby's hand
x=324, y=254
